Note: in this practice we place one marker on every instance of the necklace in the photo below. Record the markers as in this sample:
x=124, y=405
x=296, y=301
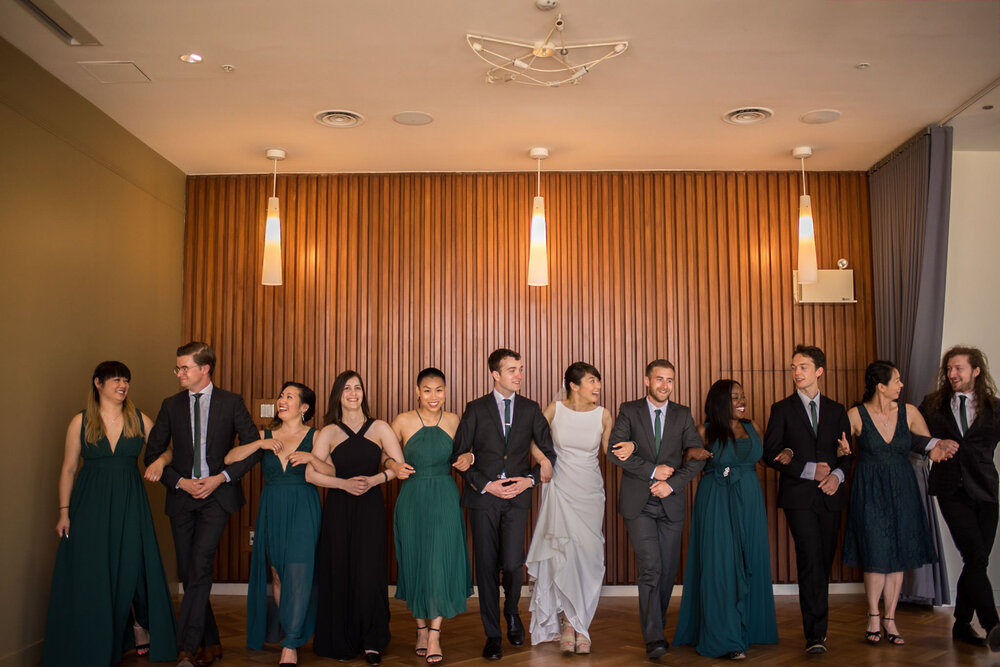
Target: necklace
x=882, y=416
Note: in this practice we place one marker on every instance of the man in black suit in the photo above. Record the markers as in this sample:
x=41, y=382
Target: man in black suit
x=202, y=422
x=498, y=429
x=801, y=441
x=655, y=432
x=965, y=409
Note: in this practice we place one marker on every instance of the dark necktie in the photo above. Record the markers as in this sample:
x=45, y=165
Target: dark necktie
x=657, y=430
x=962, y=413
x=196, y=469
x=506, y=417
x=813, y=418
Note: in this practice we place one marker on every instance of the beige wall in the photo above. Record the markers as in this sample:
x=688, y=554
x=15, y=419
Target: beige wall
x=91, y=231
x=971, y=313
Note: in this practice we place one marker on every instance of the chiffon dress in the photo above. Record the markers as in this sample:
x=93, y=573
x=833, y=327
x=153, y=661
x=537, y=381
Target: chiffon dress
x=728, y=601
x=285, y=537
x=109, y=565
x=566, y=557
x=434, y=574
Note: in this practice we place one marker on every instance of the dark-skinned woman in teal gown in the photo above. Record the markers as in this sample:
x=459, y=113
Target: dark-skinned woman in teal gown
x=728, y=602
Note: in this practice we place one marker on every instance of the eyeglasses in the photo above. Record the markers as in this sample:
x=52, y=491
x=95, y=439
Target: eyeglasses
x=184, y=369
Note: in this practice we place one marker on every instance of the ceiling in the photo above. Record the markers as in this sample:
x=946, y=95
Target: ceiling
x=656, y=106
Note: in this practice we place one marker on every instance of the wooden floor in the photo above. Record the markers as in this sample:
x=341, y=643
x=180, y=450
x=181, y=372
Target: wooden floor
x=617, y=641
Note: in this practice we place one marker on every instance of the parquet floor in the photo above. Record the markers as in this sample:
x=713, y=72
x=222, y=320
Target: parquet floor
x=617, y=641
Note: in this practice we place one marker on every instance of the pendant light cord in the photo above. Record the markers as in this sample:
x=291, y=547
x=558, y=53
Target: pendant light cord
x=274, y=186
x=538, y=184
x=803, y=160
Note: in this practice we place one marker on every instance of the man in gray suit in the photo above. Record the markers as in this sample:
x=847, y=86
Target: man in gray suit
x=648, y=443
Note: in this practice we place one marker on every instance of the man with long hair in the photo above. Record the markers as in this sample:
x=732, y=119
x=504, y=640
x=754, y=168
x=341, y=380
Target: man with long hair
x=965, y=408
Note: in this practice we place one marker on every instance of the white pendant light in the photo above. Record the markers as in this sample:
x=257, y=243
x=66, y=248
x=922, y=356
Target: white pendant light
x=808, y=271
x=538, y=260
x=271, y=274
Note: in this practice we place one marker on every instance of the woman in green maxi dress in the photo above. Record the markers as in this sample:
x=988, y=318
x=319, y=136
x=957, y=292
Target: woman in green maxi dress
x=108, y=586
x=728, y=602
x=287, y=527
x=434, y=574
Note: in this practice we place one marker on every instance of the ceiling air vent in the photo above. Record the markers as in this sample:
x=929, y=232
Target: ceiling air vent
x=747, y=115
x=339, y=118
x=60, y=22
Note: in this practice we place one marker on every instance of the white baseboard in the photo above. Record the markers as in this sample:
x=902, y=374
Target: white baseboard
x=606, y=591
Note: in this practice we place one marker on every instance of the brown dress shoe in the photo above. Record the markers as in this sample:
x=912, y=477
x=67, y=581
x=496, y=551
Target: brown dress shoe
x=185, y=659
x=207, y=654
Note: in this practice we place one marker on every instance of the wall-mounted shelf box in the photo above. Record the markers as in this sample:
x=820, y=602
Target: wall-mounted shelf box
x=833, y=286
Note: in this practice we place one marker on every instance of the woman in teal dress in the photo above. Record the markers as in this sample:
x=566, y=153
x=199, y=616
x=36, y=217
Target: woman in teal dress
x=887, y=531
x=434, y=574
x=109, y=592
x=287, y=526
x=728, y=602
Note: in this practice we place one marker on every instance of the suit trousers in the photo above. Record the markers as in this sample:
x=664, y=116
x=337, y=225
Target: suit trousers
x=973, y=525
x=815, y=534
x=498, y=544
x=197, y=530
x=656, y=541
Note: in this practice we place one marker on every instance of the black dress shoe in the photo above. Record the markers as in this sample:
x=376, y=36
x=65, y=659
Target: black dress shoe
x=656, y=649
x=963, y=632
x=373, y=657
x=816, y=646
x=993, y=638
x=515, y=630
x=493, y=649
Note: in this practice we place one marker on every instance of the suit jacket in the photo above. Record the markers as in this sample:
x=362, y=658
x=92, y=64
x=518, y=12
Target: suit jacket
x=679, y=433
x=481, y=432
x=227, y=418
x=972, y=466
x=790, y=426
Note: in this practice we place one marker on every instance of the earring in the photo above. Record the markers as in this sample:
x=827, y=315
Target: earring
x=303, y=415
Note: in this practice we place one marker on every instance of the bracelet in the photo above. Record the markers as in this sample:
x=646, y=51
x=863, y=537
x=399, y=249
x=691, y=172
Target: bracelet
x=386, y=475
x=64, y=507
x=385, y=463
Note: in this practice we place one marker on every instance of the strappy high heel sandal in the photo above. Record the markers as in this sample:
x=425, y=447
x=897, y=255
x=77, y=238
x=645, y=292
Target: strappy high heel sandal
x=895, y=640
x=434, y=658
x=873, y=637
x=418, y=650
x=567, y=640
x=141, y=640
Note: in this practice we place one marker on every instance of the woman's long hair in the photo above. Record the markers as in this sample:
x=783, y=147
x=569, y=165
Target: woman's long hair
x=334, y=411
x=878, y=372
x=719, y=413
x=131, y=426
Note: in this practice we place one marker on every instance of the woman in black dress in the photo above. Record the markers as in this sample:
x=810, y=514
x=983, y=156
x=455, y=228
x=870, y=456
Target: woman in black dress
x=352, y=612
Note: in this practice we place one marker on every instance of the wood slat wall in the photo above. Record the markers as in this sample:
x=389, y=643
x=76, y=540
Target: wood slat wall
x=389, y=273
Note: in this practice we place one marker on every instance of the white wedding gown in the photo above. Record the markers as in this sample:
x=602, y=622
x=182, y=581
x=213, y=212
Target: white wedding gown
x=566, y=558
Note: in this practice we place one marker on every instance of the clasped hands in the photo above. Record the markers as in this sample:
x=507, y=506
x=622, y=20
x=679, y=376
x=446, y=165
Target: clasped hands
x=201, y=488
x=943, y=450
x=508, y=488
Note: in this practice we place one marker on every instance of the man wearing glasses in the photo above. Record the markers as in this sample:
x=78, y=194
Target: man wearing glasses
x=202, y=421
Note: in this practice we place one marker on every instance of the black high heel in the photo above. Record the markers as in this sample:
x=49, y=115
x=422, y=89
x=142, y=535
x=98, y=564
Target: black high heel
x=874, y=638
x=439, y=656
x=895, y=640
x=420, y=651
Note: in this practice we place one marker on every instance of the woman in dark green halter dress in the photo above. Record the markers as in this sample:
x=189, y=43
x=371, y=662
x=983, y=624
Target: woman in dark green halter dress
x=108, y=570
x=434, y=574
x=287, y=527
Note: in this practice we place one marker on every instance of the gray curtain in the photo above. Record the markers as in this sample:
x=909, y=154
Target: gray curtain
x=910, y=201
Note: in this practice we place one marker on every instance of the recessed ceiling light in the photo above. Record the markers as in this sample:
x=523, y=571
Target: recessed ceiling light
x=988, y=107
x=747, y=115
x=863, y=66
x=413, y=118
x=191, y=58
x=820, y=116
x=339, y=118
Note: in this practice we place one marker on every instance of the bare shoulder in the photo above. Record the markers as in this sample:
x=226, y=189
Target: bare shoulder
x=607, y=419
x=76, y=421
x=449, y=421
x=757, y=428
x=330, y=435
x=550, y=411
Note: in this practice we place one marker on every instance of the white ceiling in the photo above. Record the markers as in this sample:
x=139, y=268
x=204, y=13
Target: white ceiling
x=657, y=106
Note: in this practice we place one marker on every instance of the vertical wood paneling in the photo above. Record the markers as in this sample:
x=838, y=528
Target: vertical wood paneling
x=387, y=274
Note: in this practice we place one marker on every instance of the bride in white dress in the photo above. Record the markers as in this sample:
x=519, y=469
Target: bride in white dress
x=566, y=558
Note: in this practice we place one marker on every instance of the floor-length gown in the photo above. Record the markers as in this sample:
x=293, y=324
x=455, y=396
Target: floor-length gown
x=886, y=523
x=110, y=562
x=352, y=613
x=285, y=538
x=434, y=574
x=728, y=602
x=566, y=557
